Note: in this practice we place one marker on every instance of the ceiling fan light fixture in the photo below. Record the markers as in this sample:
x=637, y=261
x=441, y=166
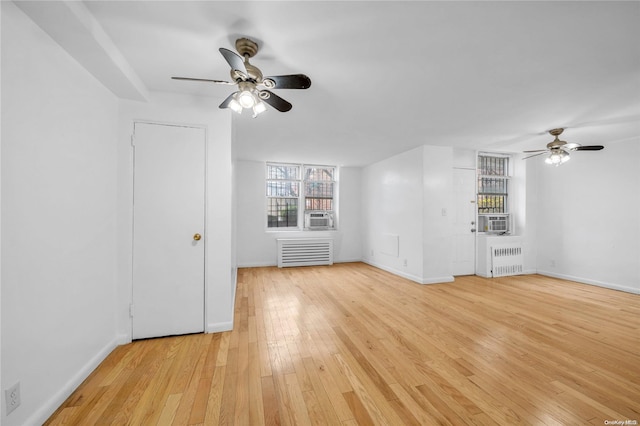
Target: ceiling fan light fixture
x=557, y=157
x=259, y=108
x=246, y=99
x=235, y=105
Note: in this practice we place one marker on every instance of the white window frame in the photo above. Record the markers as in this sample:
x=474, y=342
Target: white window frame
x=301, y=209
x=297, y=180
x=334, y=191
x=482, y=217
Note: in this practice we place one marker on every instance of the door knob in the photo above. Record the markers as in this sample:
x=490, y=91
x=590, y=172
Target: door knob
x=473, y=230
x=197, y=237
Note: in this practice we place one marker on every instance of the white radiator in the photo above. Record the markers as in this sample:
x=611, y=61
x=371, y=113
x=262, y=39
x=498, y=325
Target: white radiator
x=506, y=260
x=305, y=251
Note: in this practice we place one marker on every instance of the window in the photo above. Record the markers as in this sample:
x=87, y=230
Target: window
x=313, y=189
x=493, y=193
x=283, y=193
x=493, y=175
x=318, y=188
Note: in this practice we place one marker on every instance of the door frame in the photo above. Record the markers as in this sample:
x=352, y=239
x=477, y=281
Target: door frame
x=205, y=294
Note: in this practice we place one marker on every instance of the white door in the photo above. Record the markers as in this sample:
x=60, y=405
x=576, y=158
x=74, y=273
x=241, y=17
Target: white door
x=168, y=230
x=464, y=226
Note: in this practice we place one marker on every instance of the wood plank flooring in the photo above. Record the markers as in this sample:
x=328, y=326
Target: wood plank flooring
x=350, y=344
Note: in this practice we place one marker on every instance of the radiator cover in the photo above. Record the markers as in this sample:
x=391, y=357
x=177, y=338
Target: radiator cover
x=304, y=251
x=506, y=260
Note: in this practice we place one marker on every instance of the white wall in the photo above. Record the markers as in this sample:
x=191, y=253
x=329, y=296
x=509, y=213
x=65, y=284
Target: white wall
x=588, y=228
x=58, y=219
x=437, y=231
x=219, y=263
x=392, y=214
x=525, y=207
x=349, y=235
x=257, y=247
x=403, y=198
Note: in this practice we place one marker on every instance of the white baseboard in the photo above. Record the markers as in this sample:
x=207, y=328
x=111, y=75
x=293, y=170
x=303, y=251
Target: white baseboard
x=612, y=286
x=439, y=280
x=123, y=339
x=394, y=271
x=257, y=264
x=526, y=272
x=414, y=278
x=219, y=327
x=348, y=260
x=266, y=264
x=50, y=406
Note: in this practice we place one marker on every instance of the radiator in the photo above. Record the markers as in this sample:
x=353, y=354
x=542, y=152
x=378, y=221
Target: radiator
x=304, y=251
x=506, y=260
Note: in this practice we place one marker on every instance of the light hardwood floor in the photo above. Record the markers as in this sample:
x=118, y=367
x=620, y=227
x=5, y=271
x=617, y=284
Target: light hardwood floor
x=351, y=344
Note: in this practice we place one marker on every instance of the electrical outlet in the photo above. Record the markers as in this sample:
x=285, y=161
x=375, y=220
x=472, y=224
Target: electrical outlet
x=405, y=262
x=12, y=396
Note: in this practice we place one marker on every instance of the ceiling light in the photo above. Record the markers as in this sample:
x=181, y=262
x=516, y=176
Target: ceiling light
x=557, y=157
x=235, y=106
x=246, y=99
x=259, y=108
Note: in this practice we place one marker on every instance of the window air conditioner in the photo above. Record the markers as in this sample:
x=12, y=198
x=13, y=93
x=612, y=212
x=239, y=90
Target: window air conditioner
x=498, y=223
x=318, y=220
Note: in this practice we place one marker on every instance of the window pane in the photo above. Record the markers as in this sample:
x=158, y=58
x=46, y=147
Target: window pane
x=323, y=174
x=282, y=189
x=286, y=172
x=493, y=166
x=492, y=203
x=318, y=189
x=492, y=185
x=282, y=212
x=318, y=204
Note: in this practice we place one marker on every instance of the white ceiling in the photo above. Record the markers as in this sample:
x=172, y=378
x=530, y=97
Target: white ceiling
x=389, y=76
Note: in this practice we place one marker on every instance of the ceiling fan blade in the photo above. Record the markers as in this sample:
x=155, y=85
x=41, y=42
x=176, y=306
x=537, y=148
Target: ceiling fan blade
x=293, y=81
x=275, y=101
x=203, y=79
x=535, y=150
x=571, y=146
x=589, y=148
x=235, y=61
x=534, y=155
x=225, y=103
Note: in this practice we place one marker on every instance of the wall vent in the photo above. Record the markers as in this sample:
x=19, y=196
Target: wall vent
x=506, y=260
x=304, y=251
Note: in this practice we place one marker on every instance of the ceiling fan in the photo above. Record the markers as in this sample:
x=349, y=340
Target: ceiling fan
x=559, y=150
x=253, y=88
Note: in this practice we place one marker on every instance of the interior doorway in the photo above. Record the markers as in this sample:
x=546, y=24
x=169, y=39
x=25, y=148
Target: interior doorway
x=464, y=222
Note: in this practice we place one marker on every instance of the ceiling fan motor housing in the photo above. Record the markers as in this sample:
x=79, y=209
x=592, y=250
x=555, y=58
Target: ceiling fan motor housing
x=246, y=47
x=556, y=143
